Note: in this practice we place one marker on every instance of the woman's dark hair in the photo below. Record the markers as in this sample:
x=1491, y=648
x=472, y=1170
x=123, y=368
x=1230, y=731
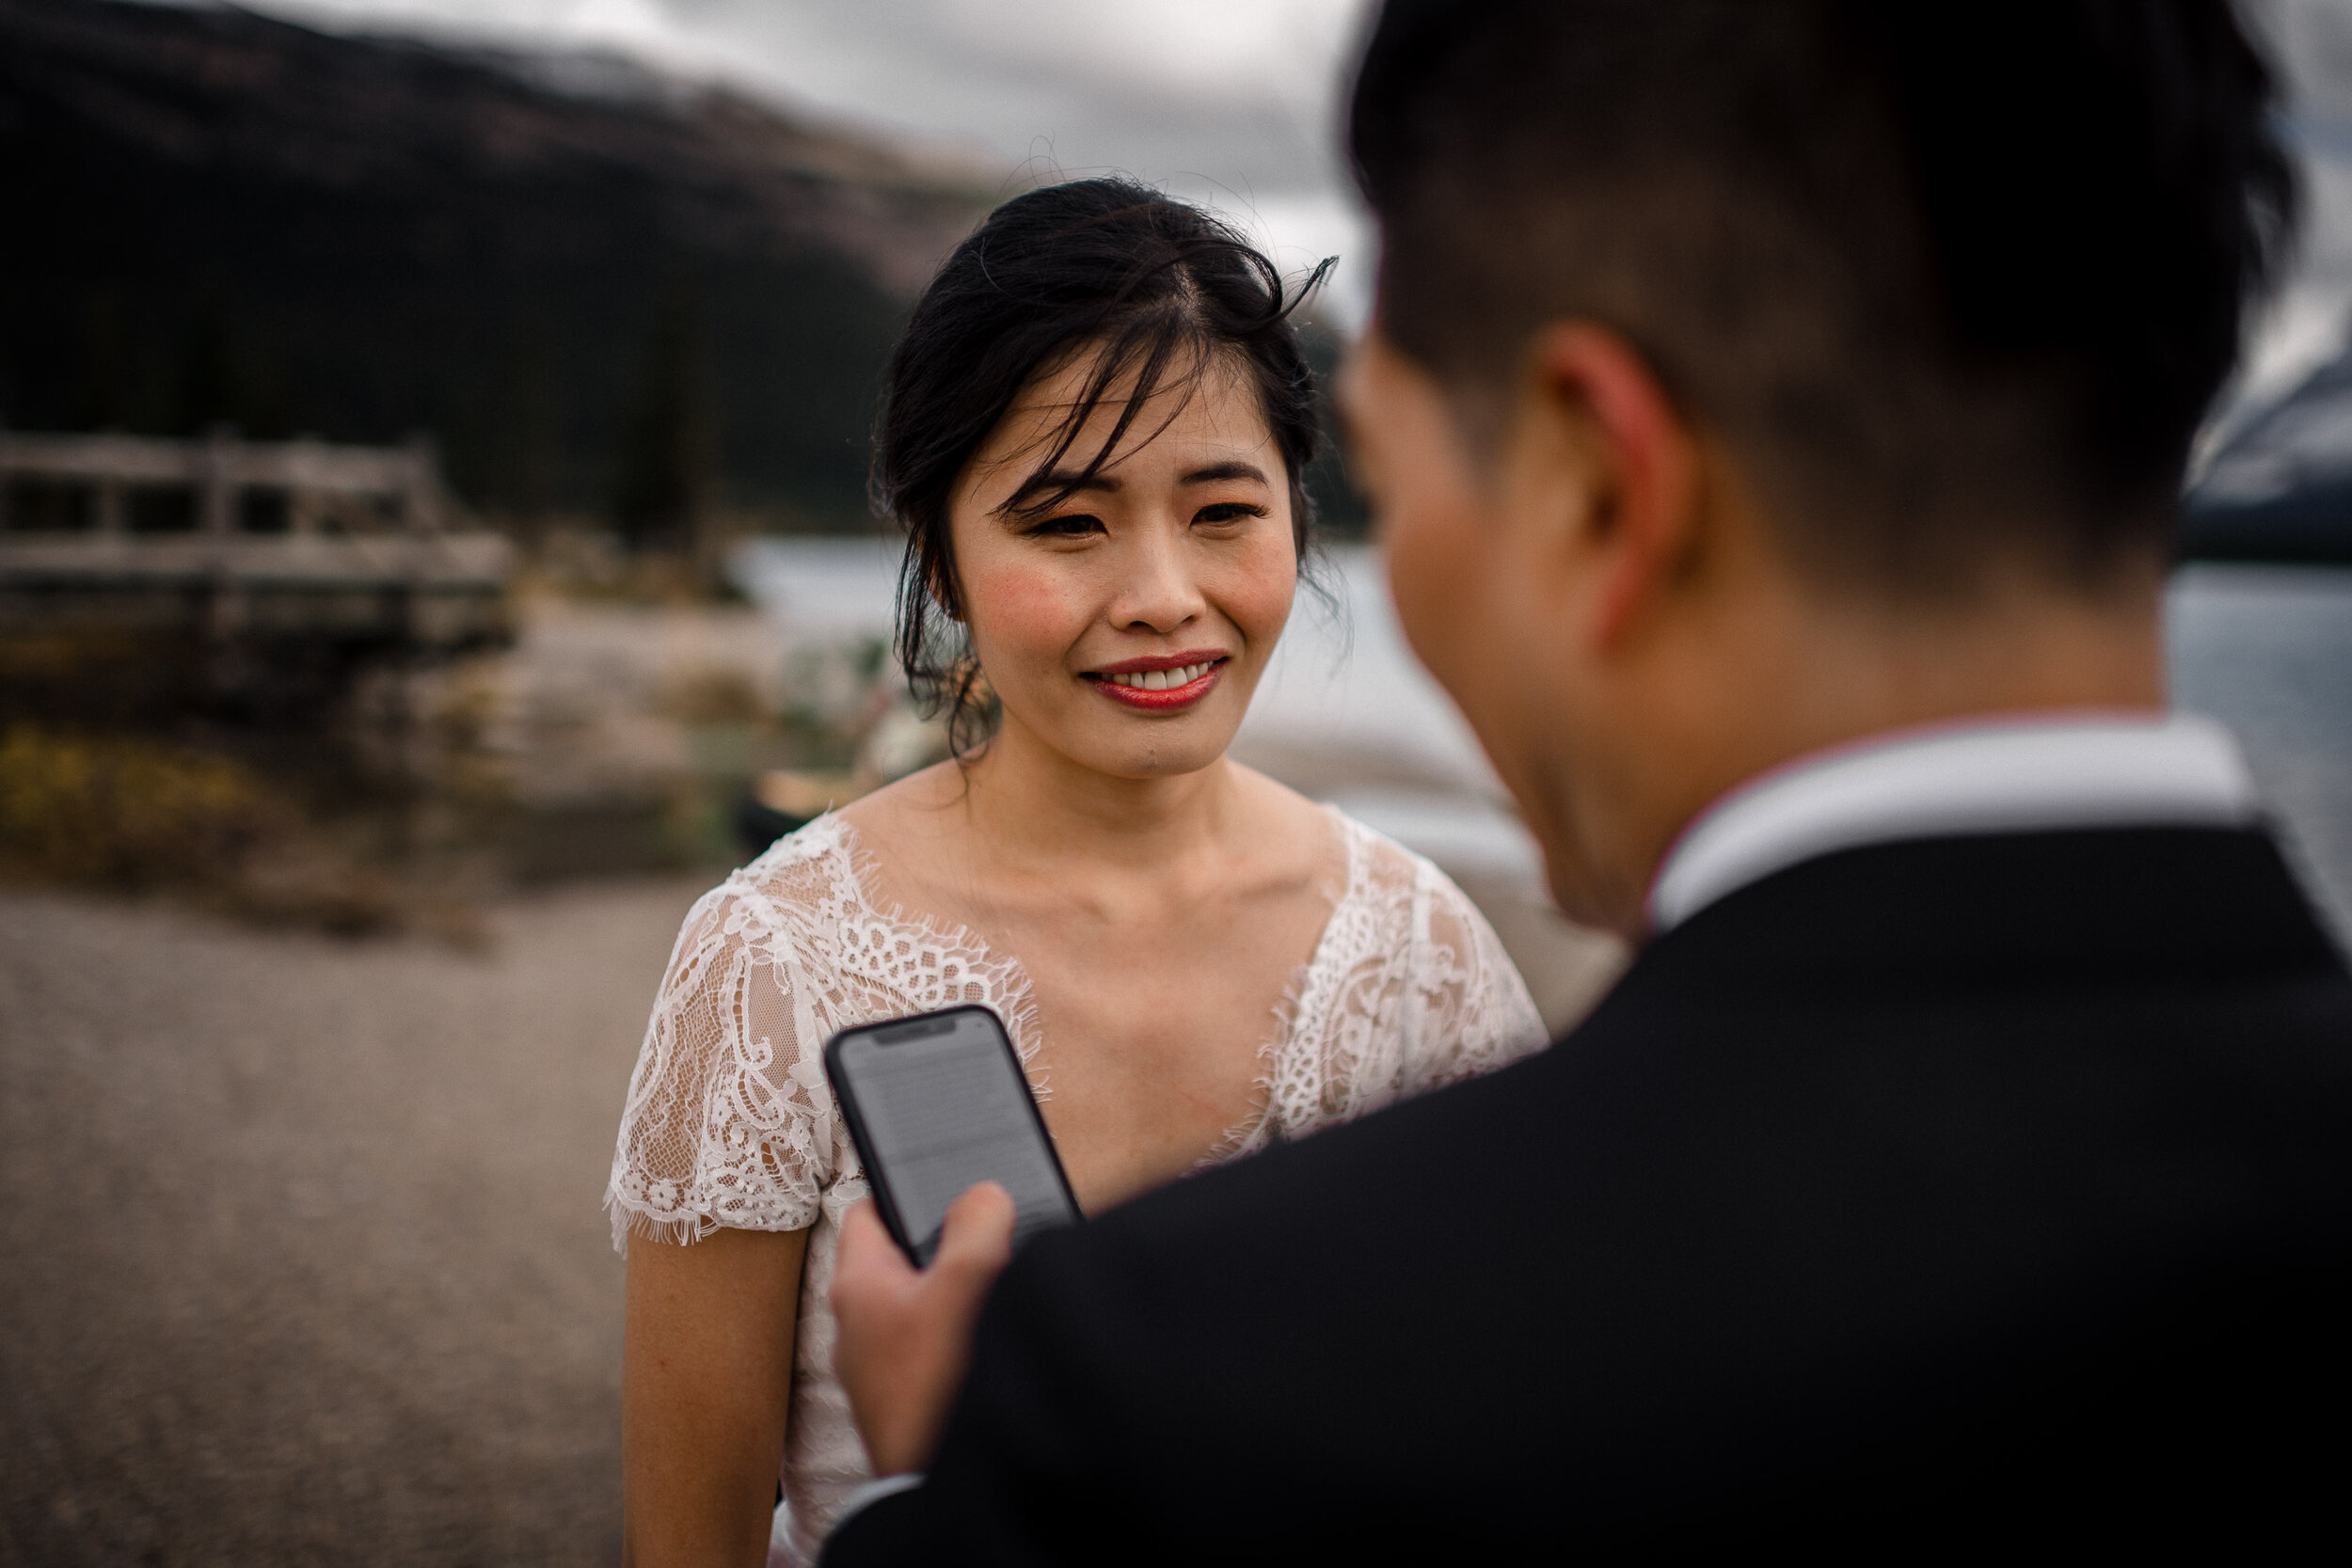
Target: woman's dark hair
x=1163, y=287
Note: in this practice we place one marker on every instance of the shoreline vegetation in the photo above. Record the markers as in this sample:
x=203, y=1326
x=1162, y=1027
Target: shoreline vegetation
x=620, y=735
x=134, y=814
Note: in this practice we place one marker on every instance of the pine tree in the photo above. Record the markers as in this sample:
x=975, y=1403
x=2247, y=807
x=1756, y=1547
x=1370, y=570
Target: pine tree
x=671, y=446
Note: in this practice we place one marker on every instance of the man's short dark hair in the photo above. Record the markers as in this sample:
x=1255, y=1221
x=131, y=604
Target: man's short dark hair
x=1955, y=281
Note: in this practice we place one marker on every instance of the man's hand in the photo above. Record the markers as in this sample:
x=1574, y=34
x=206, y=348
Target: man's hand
x=905, y=1335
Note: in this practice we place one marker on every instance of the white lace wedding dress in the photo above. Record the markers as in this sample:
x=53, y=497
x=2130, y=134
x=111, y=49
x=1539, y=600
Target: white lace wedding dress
x=730, y=1123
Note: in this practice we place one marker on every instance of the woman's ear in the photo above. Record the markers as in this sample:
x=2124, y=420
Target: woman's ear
x=1607, y=415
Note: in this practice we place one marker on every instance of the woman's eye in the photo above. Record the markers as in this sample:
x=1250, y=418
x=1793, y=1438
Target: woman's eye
x=1076, y=525
x=1228, y=512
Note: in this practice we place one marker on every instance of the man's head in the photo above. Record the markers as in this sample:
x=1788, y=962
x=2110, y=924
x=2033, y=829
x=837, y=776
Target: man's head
x=1922, y=264
x=1842, y=333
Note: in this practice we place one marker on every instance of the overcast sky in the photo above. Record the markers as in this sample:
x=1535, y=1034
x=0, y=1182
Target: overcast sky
x=1229, y=101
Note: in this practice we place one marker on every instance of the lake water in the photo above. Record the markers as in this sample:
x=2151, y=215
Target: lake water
x=2267, y=650
x=1346, y=714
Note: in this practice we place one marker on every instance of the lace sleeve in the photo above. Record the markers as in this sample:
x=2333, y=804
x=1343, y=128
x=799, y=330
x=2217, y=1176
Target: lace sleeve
x=1474, y=1013
x=730, y=1122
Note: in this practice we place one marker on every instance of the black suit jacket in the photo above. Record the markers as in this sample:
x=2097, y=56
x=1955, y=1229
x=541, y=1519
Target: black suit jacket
x=1942, y=1198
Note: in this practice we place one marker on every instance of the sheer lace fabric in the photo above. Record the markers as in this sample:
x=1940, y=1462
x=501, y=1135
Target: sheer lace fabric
x=729, y=1122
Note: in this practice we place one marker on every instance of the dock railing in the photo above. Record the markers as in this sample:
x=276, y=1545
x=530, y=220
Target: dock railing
x=265, y=539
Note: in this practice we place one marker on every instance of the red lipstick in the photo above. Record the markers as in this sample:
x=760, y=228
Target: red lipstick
x=1135, y=691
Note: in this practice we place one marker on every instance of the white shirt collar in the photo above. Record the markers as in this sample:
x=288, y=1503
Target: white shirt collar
x=2004, y=776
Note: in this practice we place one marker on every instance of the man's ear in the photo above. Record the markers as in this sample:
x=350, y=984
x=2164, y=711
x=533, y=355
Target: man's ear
x=1645, y=485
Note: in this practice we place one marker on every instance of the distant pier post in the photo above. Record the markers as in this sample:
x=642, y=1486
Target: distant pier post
x=216, y=519
x=112, y=509
x=305, y=458
x=216, y=483
x=420, y=488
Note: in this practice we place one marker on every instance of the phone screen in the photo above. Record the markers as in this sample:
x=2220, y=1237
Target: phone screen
x=936, y=1103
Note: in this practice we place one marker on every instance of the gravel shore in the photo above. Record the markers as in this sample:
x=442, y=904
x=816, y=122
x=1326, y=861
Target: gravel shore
x=304, y=1258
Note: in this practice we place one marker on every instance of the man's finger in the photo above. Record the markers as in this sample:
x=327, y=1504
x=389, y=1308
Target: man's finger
x=904, y=1335
x=976, y=1232
x=867, y=1250
x=860, y=1227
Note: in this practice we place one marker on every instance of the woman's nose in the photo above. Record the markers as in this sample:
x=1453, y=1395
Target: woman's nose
x=1156, y=588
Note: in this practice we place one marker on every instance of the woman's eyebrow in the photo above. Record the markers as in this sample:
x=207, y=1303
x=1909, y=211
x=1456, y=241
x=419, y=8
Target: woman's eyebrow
x=1216, y=472
x=1062, y=479
x=1061, y=483
x=1064, y=482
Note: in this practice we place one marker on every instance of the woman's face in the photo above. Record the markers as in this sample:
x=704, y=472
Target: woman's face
x=1127, y=626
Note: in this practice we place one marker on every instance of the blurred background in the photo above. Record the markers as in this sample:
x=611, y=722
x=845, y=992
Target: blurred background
x=433, y=548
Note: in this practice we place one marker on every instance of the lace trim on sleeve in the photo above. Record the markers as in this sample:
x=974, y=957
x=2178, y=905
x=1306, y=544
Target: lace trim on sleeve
x=729, y=1122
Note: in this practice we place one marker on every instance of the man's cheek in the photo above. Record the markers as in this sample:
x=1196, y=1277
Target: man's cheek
x=1429, y=578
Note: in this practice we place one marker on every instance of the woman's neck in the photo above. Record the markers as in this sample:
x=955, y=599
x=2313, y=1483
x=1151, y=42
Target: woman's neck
x=1036, y=806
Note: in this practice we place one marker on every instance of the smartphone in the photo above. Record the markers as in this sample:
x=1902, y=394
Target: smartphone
x=936, y=1103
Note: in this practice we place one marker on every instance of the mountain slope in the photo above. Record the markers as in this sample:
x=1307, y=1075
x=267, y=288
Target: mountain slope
x=572, y=270
x=2281, y=488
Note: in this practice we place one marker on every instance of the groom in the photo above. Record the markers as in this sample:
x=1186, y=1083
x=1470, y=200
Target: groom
x=1775, y=409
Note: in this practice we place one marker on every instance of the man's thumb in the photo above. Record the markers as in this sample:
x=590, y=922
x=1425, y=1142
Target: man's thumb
x=977, y=1231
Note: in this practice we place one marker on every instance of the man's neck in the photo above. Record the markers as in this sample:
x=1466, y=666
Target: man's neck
x=1808, y=672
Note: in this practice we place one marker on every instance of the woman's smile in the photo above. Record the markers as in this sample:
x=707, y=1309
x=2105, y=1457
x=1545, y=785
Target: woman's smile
x=1162, y=684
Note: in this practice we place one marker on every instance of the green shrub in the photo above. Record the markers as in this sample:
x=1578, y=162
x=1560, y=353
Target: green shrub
x=136, y=815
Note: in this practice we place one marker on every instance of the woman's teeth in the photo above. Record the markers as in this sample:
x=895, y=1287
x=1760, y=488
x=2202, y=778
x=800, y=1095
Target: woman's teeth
x=1162, y=680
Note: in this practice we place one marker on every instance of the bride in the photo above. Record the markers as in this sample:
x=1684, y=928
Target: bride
x=1094, y=433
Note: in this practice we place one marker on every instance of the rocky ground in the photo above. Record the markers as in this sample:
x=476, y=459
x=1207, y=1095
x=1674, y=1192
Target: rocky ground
x=303, y=1258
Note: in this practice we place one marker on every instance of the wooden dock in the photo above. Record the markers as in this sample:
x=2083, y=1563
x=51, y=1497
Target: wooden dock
x=295, y=541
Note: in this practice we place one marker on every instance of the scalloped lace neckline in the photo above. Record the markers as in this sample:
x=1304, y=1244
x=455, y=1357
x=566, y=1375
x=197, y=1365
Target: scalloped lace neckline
x=832, y=834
